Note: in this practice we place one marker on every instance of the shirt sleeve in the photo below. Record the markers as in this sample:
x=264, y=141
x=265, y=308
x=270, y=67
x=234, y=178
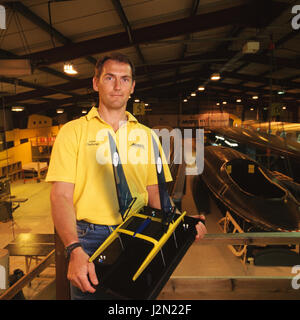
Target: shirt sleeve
x=62, y=166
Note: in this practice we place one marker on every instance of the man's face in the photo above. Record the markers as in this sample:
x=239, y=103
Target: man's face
x=114, y=85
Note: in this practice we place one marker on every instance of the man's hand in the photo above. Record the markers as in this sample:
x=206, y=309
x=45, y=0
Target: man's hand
x=81, y=270
x=200, y=227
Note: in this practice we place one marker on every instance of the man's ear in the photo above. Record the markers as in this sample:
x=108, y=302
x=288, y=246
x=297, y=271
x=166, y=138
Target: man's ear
x=95, y=83
x=132, y=87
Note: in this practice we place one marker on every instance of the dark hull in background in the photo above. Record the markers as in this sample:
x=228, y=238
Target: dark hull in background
x=274, y=152
x=259, y=196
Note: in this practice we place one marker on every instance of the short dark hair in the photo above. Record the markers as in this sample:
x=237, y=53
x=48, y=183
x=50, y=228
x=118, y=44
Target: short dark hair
x=117, y=56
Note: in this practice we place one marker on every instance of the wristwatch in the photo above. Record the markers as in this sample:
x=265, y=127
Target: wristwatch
x=70, y=248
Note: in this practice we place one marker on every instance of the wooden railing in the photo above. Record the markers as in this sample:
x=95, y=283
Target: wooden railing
x=251, y=238
x=28, y=277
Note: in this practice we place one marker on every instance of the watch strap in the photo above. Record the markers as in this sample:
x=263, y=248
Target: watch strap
x=70, y=248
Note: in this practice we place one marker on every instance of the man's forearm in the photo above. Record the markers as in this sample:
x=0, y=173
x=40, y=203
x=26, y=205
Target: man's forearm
x=64, y=218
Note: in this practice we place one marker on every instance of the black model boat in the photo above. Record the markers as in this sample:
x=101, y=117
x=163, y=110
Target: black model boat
x=257, y=139
x=274, y=152
x=139, y=256
x=259, y=196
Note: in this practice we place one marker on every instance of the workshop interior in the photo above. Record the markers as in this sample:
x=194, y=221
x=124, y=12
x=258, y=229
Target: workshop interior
x=222, y=80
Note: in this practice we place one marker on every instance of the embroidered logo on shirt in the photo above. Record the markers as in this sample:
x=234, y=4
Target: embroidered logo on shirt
x=93, y=143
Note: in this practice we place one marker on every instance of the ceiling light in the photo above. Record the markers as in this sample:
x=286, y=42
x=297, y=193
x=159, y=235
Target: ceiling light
x=185, y=100
x=252, y=109
x=255, y=97
x=59, y=110
x=238, y=100
x=17, y=109
x=83, y=111
x=136, y=100
x=69, y=69
x=284, y=108
x=201, y=88
x=224, y=102
x=215, y=76
x=218, y=103
x=280, y=92
x=193, y=94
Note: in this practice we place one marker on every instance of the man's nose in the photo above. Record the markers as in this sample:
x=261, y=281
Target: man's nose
x=117, y=85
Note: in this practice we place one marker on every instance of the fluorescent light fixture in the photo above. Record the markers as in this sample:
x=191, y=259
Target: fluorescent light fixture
x=215, y=77
x=224, y=102
x=231, y=144
x=238, y=100
x=17, y=109
x=136, y=100
x=59, y=110
x=193, y=94
x=201, y=88
x=255, y=97
x=69, y=69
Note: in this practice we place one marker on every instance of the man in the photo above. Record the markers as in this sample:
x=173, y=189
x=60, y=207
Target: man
x=83, y=196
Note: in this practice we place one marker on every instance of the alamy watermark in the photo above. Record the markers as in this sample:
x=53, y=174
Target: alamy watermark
x=296, y=278
x=295, y=22
x=2, y=17
x=135, y=147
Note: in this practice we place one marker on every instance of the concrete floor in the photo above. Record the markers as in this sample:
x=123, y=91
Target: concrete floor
x=34, y=216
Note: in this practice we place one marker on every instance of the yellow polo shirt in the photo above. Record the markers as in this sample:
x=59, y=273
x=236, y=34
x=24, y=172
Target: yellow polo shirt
x=81, y=155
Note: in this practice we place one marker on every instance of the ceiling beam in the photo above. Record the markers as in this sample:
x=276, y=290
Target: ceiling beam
x=64, y=88
x=236, y=15
x=19, y=7
x=186, y=87
x=193, y=12
x=277, y=44
x=120, y=11
x=153, y=71
x=140, y=71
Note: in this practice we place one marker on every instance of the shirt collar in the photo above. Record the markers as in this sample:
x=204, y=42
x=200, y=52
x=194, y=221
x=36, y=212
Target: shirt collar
x=93, y=113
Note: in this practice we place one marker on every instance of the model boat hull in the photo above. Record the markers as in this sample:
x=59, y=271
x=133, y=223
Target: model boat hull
x=117, y=265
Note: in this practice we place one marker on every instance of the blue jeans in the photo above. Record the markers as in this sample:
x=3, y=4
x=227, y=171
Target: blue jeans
x=91, y=236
